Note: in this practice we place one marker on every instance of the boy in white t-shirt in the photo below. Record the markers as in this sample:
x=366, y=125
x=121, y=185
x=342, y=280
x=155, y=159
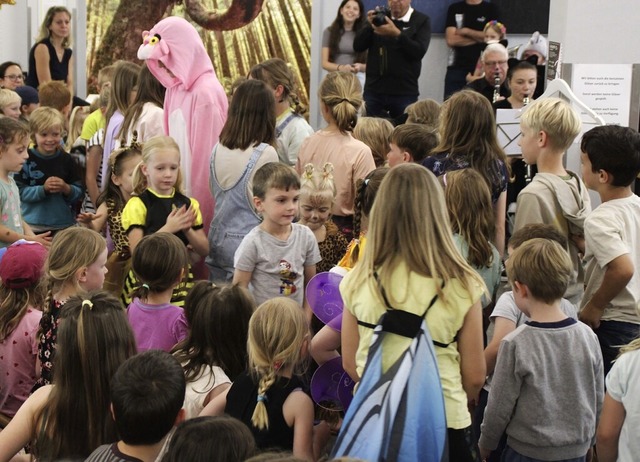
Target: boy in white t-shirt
x=610, y=163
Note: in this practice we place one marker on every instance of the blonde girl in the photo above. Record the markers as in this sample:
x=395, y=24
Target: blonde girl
x=468, y=140
x=21, y=298
x=214, y=352
x=71, y=418
x=291, y=126
x=158, y=205
x=268, y=397
x=616, y=439
x=111, y=202
x=340, y=100
x=317, y=194
x=159, y=263
x=469, y=204
x=75, y=265
x=410, y=257
x=494, y=32
x=10, y=103
x=424, y=112
x=375, y=133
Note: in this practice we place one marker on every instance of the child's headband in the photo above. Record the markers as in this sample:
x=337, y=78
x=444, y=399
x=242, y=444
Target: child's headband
x=113, y=158
x=498, y=24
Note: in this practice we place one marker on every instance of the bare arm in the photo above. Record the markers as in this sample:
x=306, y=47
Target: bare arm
x=455, y=39
x=216, y=405
x=617, y=275
x=94, y=162
x=324, y=345
x=611, y=420
x=298, y=413
x=501, y=327
x=198, y=240
x=70, y=78
x=309, y=272
x=242, y=278
x=135, y=235
x=95, y=221
x=350, y=340
x=472, y=363
x=41, y=55
x=500, y=210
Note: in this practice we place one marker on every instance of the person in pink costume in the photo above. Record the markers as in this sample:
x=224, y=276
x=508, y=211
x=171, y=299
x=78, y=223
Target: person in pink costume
x=195, y=104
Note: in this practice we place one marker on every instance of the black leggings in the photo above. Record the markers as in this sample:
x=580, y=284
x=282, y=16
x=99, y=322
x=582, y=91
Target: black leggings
x=462, y=445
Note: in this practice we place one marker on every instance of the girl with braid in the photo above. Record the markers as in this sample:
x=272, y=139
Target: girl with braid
x=269, y=398
x=75, y=265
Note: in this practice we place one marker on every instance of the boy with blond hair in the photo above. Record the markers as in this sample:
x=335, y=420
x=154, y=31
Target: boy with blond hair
x=548, y=401
x=610, y=163
x=555, y=196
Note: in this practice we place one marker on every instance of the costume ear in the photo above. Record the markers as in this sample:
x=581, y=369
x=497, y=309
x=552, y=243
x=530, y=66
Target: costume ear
x=533, y=59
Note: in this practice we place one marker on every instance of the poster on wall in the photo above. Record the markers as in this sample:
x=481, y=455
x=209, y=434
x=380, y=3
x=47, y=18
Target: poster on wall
x=606, y=89
x=237, y=34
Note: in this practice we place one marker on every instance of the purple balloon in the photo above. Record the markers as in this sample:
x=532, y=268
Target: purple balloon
x=323, y=295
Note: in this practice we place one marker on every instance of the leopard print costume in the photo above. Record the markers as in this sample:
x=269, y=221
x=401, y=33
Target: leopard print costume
x=332, y=249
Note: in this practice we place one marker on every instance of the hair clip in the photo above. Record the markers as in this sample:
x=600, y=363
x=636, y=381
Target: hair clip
x=88, y=303
x=262, y=398
x=366, y=181
x=308, y=172
x=277, y=365
x=345, y=100
x=145, y=286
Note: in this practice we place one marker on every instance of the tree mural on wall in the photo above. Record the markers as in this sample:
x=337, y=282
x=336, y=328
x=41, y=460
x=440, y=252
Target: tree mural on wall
x=237, y=33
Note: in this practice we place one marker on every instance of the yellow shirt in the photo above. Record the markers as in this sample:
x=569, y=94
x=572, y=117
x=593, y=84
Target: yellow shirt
x=346, y=262
x=413, y=292
x=94, y=122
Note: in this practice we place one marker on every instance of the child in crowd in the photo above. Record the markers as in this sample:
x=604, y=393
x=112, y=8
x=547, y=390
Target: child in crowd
x=70, y=419
x=340, y=100
x=413, y=256
x=277, y=257
x=93, y=164
x=469, y=204
x=494, y=32
x=246, y=144
x=121, y=95
x=555, y=196
x=75, y=145
x=506, y=317
x=10, y=103
x=410, y=143
x=50, y=183
x=317, y=195
x=291, y=128
x=610, y=164
x=468, y=139
x=268, y=398
x=21, y=298
x=548, y=401
x=159, y=263
x=147, y=392
x=326, y=342
x=145, y=115
x=374, y=132
x=204, y=439
x=214, y=351
x=616, y=438
x=14, y=140
x=158, y=205
x=75, y=265
x=30, y=101
x=111, y=202
x=95, y=121
x=56, y=95
x=424, y=112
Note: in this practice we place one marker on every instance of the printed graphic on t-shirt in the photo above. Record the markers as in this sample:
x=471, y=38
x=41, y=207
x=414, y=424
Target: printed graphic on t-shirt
x=287, y=278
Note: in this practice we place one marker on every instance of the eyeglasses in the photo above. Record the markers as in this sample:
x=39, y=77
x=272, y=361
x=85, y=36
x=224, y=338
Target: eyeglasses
x=494, y=63
x=14, y=77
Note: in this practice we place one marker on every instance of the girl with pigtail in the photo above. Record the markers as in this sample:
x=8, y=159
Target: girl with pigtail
x=317, y=195
x=340, y=100
x=75, y=265
x=269, y=398
x=122, y=163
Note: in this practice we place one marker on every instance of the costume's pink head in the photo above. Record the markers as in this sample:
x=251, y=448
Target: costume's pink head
x=175, y=53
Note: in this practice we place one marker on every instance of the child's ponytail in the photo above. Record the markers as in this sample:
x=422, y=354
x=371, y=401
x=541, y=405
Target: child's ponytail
x=260, y=418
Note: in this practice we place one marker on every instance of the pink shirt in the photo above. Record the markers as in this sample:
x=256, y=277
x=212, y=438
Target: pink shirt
x=157, y=327
x=18, y=353
x=352, y=160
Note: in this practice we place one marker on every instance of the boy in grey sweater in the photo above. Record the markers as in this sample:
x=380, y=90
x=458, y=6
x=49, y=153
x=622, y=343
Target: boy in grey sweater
x=548, y=382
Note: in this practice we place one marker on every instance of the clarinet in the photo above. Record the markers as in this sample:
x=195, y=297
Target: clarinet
x=527, y=176
x=496, y=87
x=525, y=100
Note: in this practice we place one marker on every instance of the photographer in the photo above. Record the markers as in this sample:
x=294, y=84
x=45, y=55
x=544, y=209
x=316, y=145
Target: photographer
x=396, y=40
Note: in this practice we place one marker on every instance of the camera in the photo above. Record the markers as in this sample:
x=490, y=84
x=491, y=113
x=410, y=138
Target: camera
x=380, y=15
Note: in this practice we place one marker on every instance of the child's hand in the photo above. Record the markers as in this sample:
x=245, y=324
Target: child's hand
x=180, y=219
x=85, y=219
x=484, y=453
x=43, y=238
x=578, y=240
x=54, y=185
